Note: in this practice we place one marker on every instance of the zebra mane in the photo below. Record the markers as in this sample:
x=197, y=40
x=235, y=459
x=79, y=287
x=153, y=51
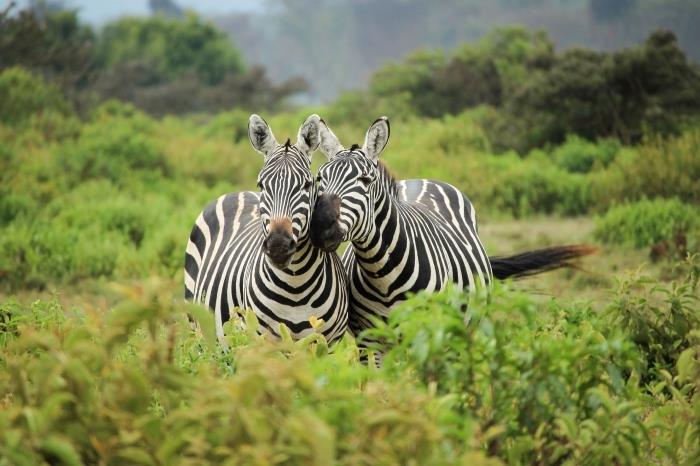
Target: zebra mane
x=388, y=180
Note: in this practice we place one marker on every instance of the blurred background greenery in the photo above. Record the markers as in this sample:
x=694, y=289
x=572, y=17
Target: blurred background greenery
x=112, y=138
x=581, y=124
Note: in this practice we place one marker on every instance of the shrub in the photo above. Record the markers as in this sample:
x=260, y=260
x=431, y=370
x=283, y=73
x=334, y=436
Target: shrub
x=112, y=146
x=173, y=46
x=578, y=155
x=661, y=319
x=647, y=223
x=542, y=383
x=24, y=95
x=582, y=90
x=137, y=386
x=539, y=187
x=658, y=168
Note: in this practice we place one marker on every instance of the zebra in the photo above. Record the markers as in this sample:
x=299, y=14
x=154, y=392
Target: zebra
x=406, y=236
x=251, y=250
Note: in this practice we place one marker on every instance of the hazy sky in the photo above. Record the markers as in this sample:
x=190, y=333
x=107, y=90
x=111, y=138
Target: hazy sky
x=99, y=11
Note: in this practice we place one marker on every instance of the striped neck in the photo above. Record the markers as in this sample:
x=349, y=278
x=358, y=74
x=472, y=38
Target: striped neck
x=385, y=232
x=304, y=259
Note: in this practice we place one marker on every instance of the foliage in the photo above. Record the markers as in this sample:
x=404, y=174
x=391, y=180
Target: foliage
x=539, y=97
x=53, y=43
x=661, y=320
x=513, y=380
x=581, y=156
x=529, y=188
x=431, y=84
x=662, y=223
x=593, y=94
x=160, y=65
x=138, y=386
x=544, y=384
x=172, y=48
x=658, y=168
x=24, y=95
x=112, y=196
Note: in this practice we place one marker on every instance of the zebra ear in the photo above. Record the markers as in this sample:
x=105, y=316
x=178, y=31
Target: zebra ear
x=328, y=142
x=376, y=138
x=309, y=138
x=260, y=135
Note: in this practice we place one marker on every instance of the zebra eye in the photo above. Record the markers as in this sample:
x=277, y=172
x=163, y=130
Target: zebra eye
x=259, y=185
x=365, y=180
x=307, y=185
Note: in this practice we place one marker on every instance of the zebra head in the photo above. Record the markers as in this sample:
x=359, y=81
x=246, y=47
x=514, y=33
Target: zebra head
x=286, y=187
x=348, y=187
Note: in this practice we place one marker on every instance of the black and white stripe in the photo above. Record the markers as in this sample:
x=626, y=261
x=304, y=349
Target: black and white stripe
x=251, y=250
x=406, y=236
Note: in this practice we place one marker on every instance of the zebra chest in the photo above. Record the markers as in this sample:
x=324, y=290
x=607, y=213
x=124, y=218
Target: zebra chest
x=405, y=271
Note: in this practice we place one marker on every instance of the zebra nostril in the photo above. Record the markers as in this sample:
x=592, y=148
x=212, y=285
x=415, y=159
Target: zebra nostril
x=292, y=244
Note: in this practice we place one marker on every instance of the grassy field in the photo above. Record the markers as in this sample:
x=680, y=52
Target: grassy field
x=593, y=281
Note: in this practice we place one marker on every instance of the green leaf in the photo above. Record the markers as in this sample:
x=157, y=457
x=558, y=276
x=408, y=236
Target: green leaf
x=686, y=364
x=55, y=447
x=206, y=322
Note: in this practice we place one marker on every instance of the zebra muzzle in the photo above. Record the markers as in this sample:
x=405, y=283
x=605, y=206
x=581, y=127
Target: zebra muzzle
x=325, y=230
x=279, y=248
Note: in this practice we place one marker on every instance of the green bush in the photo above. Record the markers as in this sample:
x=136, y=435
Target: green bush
x=112, y=147
x=24, y=95
x=658, y=168
x=512, y=381
x=662, y=320
x=578, y=155
x=137, y=386
x=544, y=385
x=538, y=187
x=648, y=223
x=174, y=47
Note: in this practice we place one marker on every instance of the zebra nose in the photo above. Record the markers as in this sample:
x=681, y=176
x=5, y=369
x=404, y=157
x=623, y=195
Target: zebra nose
x=279, y=242
x=324, y=219
x=279, y=248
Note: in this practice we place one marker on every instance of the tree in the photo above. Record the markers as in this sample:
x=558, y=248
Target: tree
x=51, y=42
x=172, y=47
x=650, y=88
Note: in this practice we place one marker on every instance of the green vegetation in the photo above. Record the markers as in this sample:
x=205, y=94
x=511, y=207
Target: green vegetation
x=666, y=225
x=536, y=96
x=520, y=382
x=161, y=65
x=114, y=195
x=100, y=365
x=172, y=48
x=351, y=38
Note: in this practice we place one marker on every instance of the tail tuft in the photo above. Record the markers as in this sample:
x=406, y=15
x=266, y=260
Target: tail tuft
x=539, y=261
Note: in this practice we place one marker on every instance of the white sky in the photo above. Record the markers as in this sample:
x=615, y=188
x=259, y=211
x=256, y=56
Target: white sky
x=98, y=12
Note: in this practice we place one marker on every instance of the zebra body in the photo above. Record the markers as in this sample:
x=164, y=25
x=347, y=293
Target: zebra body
x=406, y=236
x=427, y=239
x=251, y=250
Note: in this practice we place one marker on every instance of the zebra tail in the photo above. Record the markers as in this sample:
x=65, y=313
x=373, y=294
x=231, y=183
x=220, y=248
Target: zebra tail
x=539, y=261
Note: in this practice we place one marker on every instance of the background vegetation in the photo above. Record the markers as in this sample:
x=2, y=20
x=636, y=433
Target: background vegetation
x=100, y=184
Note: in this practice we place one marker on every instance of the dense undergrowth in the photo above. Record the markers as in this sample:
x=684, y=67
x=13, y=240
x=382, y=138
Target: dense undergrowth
x=519, y=383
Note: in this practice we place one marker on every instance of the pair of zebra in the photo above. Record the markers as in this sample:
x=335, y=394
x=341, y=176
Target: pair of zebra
x=274, y=251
